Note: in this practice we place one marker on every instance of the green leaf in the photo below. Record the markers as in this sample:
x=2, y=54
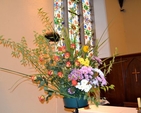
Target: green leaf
x=41, y=83
x=111, y=86
x=45, y=88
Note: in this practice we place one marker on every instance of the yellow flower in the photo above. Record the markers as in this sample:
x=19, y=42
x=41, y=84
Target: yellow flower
x=85, y=48
x=84, y=62
x=80, y=60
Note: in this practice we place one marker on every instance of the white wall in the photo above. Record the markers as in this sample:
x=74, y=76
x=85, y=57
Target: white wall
x=124, y=31
x=19, y=18
x=100, y=26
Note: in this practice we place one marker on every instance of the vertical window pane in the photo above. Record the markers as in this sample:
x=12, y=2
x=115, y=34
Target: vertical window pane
x=87, y=21
x=58, y=15
x=73, y=20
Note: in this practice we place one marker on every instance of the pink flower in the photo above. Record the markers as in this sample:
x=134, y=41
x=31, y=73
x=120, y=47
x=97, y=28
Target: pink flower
x=33, y=78
x=73, y=46
x=41, y=59
x=68, y=64
x=97, y=59
x=56, y=58
x=50, y=72
x=77, y=63
x=62, y=48
x=60, y=74
x=67, y=55
x=59, y=48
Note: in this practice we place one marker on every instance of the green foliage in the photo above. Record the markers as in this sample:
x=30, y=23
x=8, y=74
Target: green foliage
x=52, y=66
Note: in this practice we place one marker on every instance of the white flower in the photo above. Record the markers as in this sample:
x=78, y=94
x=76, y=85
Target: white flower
x=84, y=86
x=87, y=87
x=84, y=82
x=95, y=82
x=101, y=77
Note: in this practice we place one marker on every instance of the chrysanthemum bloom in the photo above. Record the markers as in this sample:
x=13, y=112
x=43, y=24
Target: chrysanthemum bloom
x=84, y=62
x=101, y=77
x=86, y=48
x=76, y=74
x=87, y=72
x=83, y=85
x=71, y=91
x=81, y=60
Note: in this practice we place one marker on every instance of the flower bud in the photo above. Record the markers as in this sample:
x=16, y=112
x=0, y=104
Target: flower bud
x=42, y=98
x=33, y=78
x=60, y=74
x=77, y=63
x=50, y=72
x=56, y=58
x=68, y=64
x=73, y=46
x=67, y=55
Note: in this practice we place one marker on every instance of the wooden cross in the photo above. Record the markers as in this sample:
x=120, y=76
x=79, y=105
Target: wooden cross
x=136, y=73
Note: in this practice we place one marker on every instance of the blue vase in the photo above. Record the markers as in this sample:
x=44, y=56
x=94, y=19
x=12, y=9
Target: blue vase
x=75, y=102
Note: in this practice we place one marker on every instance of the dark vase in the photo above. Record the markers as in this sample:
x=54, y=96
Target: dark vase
x=75, y=102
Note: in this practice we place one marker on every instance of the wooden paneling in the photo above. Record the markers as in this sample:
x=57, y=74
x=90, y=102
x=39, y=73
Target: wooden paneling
x=126, y=76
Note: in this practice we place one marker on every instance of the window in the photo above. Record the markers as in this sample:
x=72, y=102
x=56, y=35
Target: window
x=78, y=17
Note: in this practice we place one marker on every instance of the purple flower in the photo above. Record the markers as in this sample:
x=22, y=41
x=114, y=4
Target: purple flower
x=71, y=91
x=100, y=77
x=97, y=59
x=76, y=74
x=95, y=82
x=87, y=72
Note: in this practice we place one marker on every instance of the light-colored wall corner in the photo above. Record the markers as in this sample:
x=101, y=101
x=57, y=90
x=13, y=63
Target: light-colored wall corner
x=132, y=23
x=100, y=26
x=20, y=18
x=124, y=31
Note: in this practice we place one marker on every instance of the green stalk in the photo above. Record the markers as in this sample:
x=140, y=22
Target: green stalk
x=16, y=72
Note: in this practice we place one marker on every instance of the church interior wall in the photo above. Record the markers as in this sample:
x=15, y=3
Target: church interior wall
x=19, y=18
x=124, y=29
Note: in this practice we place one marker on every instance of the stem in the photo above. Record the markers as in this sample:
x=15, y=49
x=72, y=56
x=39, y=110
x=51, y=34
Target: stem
x=11, y=71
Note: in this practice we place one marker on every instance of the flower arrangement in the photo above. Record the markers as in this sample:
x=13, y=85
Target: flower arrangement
x=62, y=69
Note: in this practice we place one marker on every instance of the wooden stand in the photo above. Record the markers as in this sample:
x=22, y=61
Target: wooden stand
x=76, y=110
